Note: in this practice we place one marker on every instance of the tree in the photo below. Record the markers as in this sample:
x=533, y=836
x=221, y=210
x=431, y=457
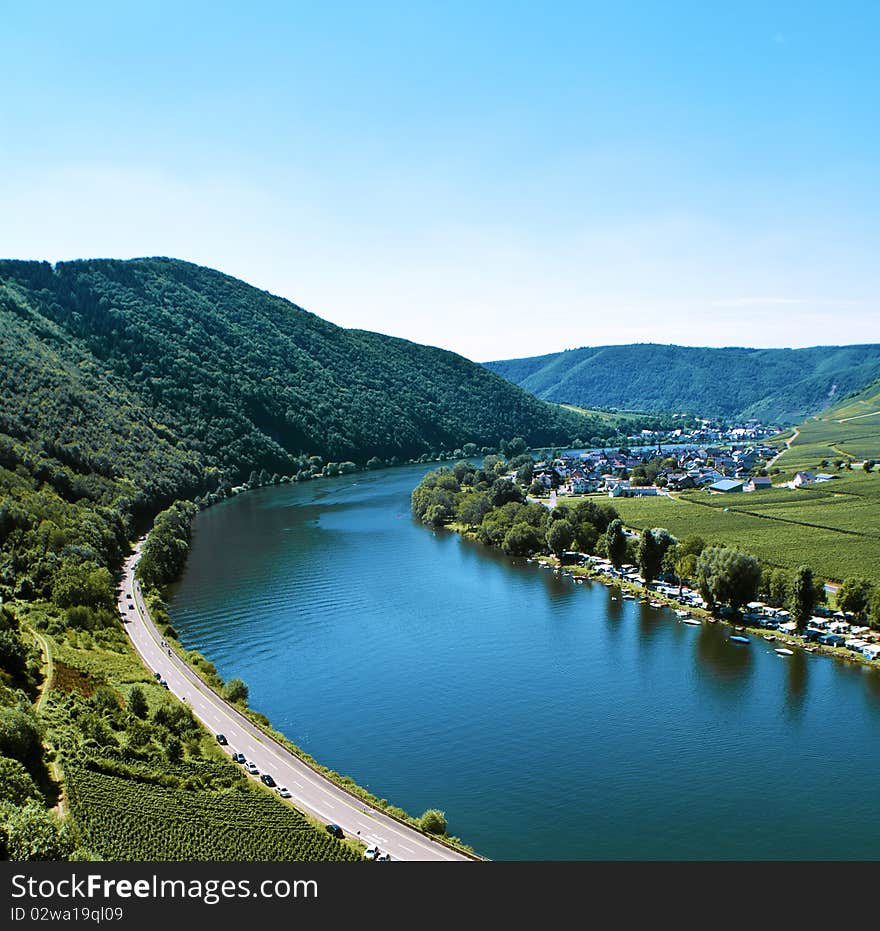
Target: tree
x=522, y=540
x=236, y=690
x=727, y=576
x=516, y=447
x=524, y=473
x=32, y=833
x=13, y=654
x=472, y=508
x=16, y=785
x=437, y=515
x=137, y=703
x=504, y=491
x=20, y=738
x=433, y=821
x=803, y=597
x=775, y=587
x=615, y=543
x=854, y=596
x=83, y=584
x=650, y=556
x=560, y=536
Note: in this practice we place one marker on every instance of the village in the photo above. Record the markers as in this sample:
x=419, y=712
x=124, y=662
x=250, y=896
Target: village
x=722, y=461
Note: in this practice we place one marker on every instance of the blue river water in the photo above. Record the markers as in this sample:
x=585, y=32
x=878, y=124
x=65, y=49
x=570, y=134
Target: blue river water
x=549, y=720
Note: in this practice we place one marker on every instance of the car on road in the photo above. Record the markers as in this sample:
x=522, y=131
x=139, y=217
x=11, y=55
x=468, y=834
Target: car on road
x=239, y=758
x=283, y=791
x=335, y=830
x=371, y=853
x=266, y=779
x=221, y=739
x=252, y=768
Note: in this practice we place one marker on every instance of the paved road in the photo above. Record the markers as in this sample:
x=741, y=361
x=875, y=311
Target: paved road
x=311, y=791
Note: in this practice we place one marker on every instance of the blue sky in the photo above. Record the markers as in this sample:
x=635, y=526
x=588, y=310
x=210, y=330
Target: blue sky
x=500, y=179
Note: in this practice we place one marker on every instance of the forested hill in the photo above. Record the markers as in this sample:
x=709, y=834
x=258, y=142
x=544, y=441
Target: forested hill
x=774, y=385
x=233, y=376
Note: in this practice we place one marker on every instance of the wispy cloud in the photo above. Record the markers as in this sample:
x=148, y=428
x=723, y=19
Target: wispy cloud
x=785, y=302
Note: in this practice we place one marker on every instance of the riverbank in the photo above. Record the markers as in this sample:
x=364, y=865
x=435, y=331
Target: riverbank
x=648, y=595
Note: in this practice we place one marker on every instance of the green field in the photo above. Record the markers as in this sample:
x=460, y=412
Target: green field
x=128, y=819
x=833, y=527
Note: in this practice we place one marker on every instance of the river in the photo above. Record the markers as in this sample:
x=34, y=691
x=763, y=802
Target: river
x=549, y=720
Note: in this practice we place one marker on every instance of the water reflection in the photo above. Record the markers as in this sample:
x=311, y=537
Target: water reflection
x=650, y=622
x=795, y=681
x=730, y=663
x=614, y=608
x=872, y=685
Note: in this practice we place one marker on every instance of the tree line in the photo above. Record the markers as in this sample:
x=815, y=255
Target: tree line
x=490, y=503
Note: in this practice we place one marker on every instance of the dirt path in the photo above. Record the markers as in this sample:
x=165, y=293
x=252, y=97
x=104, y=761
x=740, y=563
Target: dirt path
x=48, y=679
x=788, y=443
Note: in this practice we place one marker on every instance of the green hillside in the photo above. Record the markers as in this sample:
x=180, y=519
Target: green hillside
x=848, y=430
x=773, y=385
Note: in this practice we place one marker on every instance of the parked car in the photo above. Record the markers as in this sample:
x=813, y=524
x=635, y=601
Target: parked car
x=163, y=683
x=384, y=857
x=371, y=853
x=239, y=758
x=157, y=676
x=283, y=791
x=221, y=739
x=335, y=830
x=268, y=780
x=252, y=769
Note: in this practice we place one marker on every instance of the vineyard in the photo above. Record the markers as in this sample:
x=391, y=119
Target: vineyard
x=128, y=819
x=834, y=528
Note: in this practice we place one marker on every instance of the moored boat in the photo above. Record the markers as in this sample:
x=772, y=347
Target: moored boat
x=784, y=651
x=736, y=638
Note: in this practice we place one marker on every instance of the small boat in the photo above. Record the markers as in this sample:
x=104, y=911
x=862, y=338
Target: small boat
x=737, y=639
x=769, y=637
x=656, y=604
x=692, y=621
x=682, y=613
x=782, y=651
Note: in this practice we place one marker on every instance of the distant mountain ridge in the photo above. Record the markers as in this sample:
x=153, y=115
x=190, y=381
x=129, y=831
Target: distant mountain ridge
x=773, y=385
